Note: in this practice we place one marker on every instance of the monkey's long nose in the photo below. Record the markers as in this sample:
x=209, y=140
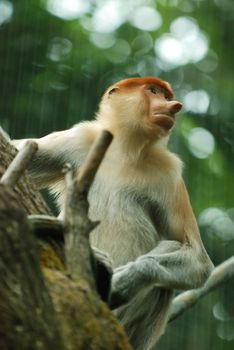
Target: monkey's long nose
x=175, y=106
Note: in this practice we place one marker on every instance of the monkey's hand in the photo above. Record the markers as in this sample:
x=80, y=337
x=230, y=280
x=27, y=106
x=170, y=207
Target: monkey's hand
x=127, y=281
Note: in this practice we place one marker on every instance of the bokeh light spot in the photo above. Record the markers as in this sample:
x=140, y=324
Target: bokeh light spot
x=146, y=18
x=103, y=40
x=184, y=44
x=68, y=9
x=6, y=11
x=201, y=143
x=218, y=223
x=197, y=101
x=119, y=52
x=184, y=26
x=59, y=48
x=108, y=17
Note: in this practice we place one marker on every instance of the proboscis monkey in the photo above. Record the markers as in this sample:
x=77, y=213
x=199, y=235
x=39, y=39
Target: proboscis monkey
x=147, y=224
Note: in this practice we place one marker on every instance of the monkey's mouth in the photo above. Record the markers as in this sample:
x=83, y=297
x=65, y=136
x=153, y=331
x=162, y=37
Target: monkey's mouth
x=165, y=121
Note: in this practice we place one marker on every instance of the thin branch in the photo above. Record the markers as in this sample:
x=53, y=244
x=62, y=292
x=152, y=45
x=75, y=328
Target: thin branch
x=19, y=164
x=220, y=275
x=78, y=225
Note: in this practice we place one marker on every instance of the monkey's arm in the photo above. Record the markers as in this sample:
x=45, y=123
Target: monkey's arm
x=182, y=263
x=57, y=149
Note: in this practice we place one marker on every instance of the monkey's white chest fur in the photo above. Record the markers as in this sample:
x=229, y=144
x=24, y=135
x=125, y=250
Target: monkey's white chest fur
x=129, y=208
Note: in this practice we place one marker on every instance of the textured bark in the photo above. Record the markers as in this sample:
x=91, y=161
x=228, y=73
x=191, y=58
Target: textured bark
x=27, y=317
x=44, y=305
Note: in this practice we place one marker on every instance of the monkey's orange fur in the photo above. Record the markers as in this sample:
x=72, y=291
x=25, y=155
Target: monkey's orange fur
x=136, y=82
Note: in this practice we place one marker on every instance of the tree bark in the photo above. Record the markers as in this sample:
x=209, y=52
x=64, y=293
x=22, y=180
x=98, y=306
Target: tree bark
x=27, y=316
x=44, y=305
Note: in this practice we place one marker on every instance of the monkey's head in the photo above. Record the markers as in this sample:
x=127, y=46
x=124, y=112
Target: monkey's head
x=144, y=105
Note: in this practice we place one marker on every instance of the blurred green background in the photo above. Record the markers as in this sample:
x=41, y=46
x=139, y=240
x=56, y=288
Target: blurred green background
x=58, y=56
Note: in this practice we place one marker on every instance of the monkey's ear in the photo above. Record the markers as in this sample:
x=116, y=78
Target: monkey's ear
x=113, y=90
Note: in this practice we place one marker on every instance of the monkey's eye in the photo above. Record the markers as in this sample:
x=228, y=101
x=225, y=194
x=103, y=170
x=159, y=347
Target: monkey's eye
x=168, y=98
x=112, y=91
x=153, y=89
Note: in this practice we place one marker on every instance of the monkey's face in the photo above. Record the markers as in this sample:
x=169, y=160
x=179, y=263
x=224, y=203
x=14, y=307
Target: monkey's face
x=143, y=105
x=162, y=107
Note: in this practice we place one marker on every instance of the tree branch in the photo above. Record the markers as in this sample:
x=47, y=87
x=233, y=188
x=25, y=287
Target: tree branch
x=78, y=225
x=220, y=275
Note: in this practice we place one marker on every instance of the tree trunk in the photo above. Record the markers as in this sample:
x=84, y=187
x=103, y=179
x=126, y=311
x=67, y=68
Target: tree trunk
x=44, y=305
